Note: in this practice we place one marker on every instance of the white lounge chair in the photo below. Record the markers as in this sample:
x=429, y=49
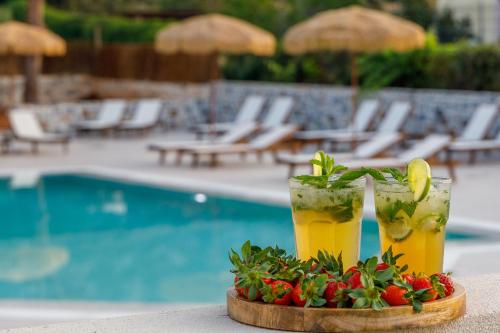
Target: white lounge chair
x=479, y=124
x=270, y=140
x=109, y=117
x=5, y=140
x=365, y=115
x=426, y=148
x=27, y=128
x=279, y=112
x=376, y=146
x=236, y=134
x=249, y=112
x=392, y=122
x=146, y=116
x=472, y=138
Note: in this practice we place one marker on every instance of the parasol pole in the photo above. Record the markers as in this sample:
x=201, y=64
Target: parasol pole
x=213, y=96
x=354, y=94
x=12, y=83
x=354, y=85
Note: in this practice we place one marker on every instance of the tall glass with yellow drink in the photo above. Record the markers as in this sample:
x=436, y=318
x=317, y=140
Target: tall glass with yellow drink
x=328, y=219
x=413, y=227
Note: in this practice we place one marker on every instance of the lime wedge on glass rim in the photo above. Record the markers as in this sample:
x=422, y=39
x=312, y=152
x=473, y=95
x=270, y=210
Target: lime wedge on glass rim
x=419, y=178
x=317, y=170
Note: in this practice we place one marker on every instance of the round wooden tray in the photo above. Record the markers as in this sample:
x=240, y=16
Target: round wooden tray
x=292, y=318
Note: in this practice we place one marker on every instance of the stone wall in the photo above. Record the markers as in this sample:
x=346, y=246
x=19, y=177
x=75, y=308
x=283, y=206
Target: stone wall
x=316, y=106
x=321, y=106
x=70, y=88
x=53, y=88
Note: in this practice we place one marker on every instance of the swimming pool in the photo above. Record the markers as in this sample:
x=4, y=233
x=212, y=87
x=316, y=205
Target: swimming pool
x=81, y=237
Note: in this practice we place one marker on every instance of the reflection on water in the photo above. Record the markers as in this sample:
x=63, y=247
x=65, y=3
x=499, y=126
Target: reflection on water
x=22, y=261
x=25, y=262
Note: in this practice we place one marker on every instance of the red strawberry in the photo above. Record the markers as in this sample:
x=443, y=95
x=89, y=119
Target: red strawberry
x=243, y=292
x=239, y=290
x=408, y=278
x=330, y=293
x=447, y=283
x=394, y=295
x=296, y=296
x=310, y=290
x=279, y=292
x=313, y=267
x=382, y=266
x=423, y=282
x=352, y=269
x=355, y=280
x=267, y=280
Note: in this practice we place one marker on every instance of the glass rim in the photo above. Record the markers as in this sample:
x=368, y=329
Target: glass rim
x=356, y=183
x=434, y=180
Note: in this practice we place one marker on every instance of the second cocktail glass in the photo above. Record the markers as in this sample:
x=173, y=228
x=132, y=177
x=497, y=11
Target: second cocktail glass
x=416, y=229
x=328, y=219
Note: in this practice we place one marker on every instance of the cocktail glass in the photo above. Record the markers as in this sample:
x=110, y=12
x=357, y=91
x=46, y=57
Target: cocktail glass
x=328, y=219
x=416, y=229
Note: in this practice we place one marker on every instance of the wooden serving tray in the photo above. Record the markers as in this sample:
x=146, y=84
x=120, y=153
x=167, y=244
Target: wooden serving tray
x=293, y=318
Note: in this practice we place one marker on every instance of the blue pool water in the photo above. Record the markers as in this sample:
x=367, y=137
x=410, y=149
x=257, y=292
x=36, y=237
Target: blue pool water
x=84, y=238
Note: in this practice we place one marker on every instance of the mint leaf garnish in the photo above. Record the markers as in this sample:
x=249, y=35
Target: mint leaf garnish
x=440, y=223
x=389, y=213
x=399, y=176
x=342, y=212
x=328, y=169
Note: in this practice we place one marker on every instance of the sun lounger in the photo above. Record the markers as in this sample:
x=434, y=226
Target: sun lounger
x=476, y=145
x=249, y=112
x=426, y=148
x=480, y=123
x=27, y=128
x=109, y=117
x=146, y=116
x=374, y=147
x=270, y=140
x=365, y=115
x=392, y=122
x=5, y=140
x=279, y=112
x=236, y=134
x=472, y=138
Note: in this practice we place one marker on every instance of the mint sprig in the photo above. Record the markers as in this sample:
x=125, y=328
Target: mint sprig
x=390, y=213
x=329, y=169
x=399, y=176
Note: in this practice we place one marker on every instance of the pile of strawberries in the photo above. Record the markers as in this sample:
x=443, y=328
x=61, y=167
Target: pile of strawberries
x=273, y=276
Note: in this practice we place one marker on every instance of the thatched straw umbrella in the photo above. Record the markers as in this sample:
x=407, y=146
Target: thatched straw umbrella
x=355, y=30
x=21, y=39
x=214, y=34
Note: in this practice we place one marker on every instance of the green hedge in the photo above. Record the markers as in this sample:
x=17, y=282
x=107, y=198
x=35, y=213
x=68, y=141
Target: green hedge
x=444, y=67
x=75, y=26
x=441, y=67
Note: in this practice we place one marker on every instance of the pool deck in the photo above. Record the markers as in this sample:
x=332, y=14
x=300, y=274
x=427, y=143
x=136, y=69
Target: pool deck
x=474, y=199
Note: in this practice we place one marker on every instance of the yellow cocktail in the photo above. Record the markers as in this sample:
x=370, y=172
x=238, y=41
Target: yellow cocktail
x=328, y=219
x=416, y=229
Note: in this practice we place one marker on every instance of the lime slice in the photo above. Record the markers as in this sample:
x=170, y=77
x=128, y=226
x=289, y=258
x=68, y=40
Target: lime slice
x=432, y=222
x=429, y=222
x=398, y=231
x=317, y=170
x=419, y=178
